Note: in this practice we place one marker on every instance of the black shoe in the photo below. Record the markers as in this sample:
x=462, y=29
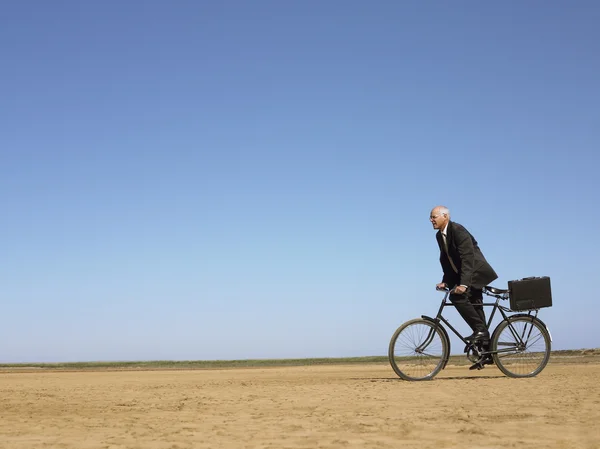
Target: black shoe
x=487, y=360
x=478, y=335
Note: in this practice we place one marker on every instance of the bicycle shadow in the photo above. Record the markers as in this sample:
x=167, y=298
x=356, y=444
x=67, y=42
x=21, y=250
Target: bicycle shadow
x=436, y=379
x=500, y=376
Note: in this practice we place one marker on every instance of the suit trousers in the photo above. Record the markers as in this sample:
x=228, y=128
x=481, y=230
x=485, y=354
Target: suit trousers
x=470, y=307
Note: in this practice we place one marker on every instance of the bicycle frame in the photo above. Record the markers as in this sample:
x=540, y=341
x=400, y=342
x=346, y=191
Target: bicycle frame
x=439, y=318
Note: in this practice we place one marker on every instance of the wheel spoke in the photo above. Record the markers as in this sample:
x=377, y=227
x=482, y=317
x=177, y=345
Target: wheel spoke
x=530, y=343
x=417, y=350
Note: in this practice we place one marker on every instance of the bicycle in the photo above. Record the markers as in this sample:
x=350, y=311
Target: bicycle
x=519, y=346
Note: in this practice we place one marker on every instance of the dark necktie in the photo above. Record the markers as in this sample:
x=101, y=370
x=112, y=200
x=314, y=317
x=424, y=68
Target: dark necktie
x=448, y=254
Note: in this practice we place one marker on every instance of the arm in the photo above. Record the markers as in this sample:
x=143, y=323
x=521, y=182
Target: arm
x=466, y=251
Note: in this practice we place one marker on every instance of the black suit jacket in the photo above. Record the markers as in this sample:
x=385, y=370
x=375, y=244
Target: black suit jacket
x=473, y=269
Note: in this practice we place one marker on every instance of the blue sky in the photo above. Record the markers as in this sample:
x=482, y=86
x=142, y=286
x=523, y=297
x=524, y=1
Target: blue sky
x=220, y=180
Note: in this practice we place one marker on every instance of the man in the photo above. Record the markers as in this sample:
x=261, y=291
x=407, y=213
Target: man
x=465, y=270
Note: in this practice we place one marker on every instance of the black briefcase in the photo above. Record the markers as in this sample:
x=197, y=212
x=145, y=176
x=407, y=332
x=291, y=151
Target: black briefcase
x=530, y=293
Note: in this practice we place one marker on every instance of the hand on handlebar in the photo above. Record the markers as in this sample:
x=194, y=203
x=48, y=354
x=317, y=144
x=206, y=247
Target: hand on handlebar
x=459, y=289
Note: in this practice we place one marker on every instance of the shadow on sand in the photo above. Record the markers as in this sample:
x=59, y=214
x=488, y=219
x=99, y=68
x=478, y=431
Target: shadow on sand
x=435, y=379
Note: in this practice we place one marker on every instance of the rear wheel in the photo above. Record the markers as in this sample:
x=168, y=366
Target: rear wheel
x=523, y=345
x=418, y=350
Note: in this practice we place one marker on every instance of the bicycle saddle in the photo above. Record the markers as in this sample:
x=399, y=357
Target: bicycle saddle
x=495, y=291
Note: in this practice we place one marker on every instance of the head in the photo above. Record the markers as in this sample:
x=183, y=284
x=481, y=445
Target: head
x=439, y=217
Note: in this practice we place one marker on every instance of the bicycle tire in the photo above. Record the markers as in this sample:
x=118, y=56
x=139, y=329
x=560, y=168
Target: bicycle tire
x=531, y=356
x=412, y=363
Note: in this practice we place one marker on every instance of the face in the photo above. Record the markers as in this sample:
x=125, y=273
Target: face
x=438, y=219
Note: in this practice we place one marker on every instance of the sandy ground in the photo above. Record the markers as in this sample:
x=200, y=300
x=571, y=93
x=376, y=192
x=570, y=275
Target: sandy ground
x=362, y=406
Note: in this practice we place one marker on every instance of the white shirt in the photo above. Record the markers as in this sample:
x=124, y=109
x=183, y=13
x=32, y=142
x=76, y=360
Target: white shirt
x=444, y=236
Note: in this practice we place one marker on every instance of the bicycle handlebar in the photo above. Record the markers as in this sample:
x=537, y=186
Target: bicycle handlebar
x=446, y=289
x=450, y=291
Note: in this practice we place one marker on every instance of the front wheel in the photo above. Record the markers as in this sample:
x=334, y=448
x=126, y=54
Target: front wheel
x=418, y=350
x=521, y=346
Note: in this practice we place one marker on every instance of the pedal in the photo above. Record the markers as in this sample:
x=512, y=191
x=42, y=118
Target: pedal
x=478, y=366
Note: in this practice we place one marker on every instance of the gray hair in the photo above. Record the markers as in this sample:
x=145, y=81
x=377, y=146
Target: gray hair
x=442, y=210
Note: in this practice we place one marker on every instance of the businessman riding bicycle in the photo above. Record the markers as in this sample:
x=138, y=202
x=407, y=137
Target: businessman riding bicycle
x=466, y=271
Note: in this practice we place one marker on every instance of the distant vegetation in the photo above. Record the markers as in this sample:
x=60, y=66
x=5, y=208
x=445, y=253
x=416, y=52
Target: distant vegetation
x=563, y=356
x=195, y=364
